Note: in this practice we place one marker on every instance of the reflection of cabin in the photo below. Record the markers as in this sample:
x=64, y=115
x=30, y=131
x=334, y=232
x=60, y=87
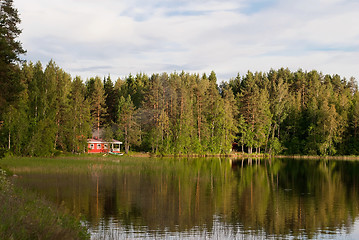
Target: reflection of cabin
x=101, y=146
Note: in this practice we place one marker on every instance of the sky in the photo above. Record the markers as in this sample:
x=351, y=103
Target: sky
x=90, y=38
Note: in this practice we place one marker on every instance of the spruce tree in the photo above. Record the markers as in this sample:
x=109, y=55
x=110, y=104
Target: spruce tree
x=10, y=51
x=111, y=101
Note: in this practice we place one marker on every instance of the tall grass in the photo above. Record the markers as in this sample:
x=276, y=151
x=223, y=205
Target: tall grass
x=23, y=215
x=79, y=164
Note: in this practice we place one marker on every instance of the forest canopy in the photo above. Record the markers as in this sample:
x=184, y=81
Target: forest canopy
x=279, y=111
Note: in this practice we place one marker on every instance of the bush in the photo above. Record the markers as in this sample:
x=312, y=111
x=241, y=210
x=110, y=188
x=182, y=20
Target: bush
x=276, y=146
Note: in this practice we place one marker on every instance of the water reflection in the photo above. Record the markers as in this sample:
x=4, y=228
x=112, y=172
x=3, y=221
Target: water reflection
x=297, y=197
x=208, y=198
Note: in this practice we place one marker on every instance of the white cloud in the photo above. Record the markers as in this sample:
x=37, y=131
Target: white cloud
x=91, y=37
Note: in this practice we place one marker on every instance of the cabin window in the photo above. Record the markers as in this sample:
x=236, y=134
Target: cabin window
x=92, y=146
x=105, y=146
x=116, y=145
x=98, y=146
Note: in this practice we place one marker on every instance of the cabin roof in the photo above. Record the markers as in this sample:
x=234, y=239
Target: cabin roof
x=94, y=141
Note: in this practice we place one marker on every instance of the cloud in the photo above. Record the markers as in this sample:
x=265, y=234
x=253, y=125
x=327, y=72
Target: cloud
x=257, y=6
x=122, y=37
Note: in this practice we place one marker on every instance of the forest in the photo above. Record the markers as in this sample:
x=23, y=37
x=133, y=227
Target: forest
x=181, y=113
x=45, y=111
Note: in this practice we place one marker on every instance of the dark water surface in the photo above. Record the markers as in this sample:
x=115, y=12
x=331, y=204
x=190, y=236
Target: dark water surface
x=207, y=198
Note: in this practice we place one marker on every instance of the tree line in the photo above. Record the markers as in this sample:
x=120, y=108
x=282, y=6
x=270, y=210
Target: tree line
x=297, y=112
x=177, y=113
x=181, y=113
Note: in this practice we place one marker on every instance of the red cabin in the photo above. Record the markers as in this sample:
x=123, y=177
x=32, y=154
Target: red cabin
x=101, y=146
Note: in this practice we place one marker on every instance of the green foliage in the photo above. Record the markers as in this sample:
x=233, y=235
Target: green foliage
x=97, y=100
x=129, y=129
x=2, y=152
x=77, y=126
x=181, y=113
x=10, y=51
x=308, y=113
x=52, y=114
x=275, y=146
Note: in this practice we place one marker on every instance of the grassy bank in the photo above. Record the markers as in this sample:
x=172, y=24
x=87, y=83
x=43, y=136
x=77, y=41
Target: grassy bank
x=346, y=158
x=23, y=215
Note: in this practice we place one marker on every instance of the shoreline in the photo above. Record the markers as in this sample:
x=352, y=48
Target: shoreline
x=245, y=155
x=229, y=155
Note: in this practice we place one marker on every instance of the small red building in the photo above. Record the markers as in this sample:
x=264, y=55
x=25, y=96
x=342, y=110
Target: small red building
x=101, y=146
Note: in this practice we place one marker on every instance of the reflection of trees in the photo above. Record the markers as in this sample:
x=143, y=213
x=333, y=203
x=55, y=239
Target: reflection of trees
x=294, y=197
x=175, y=196
x=278, y=196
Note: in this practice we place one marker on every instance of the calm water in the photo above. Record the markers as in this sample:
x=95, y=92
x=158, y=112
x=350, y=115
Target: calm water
x=208, y=198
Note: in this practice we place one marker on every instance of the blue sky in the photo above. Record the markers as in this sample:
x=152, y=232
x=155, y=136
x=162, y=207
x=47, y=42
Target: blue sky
x=91, y=37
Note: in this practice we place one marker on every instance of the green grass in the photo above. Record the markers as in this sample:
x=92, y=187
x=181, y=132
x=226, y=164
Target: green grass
x=309, y=157
x=23, y=215
x=65, y=163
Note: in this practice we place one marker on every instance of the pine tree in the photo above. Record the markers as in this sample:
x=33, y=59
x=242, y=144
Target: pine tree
x=248, y=103
x=255, y=109
x=213, y=112
x=97, y=104
x=184, y=134
x=10, y=51
x=150, y=112
x=279, y=97
x=200, y=90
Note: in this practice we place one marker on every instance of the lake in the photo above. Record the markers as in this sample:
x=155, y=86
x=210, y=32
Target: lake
x=203, y=198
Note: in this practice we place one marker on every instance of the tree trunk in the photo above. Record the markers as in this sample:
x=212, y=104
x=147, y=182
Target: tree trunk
x=9, y=139
x=273, y=133
x=126, y=141
x=98, y=123
x=266, y=148
x=199, y=118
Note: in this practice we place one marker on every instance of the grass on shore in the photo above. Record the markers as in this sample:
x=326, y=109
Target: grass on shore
x=23, y=215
